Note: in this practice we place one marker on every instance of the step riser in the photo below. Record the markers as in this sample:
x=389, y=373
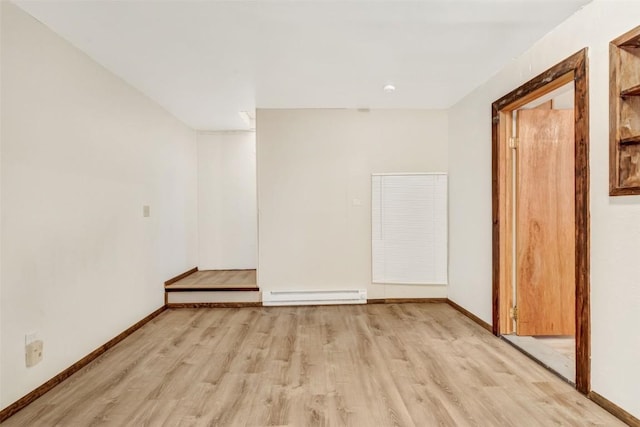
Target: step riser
x=213, y=297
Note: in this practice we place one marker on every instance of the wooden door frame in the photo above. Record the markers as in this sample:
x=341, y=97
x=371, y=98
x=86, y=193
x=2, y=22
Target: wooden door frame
x=574, y=68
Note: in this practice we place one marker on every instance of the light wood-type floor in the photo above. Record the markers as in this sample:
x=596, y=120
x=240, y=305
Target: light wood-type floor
x=360, y=365
x=212, y=279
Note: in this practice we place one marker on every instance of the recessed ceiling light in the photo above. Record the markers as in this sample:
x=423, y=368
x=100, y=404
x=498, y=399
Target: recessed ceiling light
x=389, y=88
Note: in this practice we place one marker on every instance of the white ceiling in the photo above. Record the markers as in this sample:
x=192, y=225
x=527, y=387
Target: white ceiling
x=205, y=61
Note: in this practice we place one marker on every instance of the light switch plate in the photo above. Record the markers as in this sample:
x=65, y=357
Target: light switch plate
x=146, y=211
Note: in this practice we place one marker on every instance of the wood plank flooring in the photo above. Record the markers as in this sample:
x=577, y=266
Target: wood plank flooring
x=360, y=365
x=212, y=279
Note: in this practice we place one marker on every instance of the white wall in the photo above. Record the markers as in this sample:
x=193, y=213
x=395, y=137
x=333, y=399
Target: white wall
x=314, y=192
x=227, y=212
x=615, y=222
x=82, y=152
x=1, y=299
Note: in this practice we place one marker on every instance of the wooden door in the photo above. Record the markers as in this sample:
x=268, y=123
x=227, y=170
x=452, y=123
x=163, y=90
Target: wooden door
x=545, y=223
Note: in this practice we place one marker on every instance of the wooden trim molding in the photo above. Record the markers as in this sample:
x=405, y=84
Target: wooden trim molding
x=180, y=276
x=573, y=68
x=179, y=305
x=583, y=224
x=614, y=409
x=213, y=304
x=406, y=300
x=44, y=388
x=470, y=315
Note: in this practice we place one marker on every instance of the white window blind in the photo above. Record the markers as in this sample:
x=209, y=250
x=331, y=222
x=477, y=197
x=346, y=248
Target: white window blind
x=409, y=228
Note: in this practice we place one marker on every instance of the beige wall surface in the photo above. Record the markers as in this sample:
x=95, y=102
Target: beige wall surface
x=227, y=211
x=615, y=221
x=81, y=153
x=314, y=192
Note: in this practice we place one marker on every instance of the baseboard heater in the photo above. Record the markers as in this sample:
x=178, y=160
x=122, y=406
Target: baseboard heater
x=346, y=296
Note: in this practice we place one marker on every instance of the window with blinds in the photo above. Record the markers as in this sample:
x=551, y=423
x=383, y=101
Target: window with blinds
x=409, y=228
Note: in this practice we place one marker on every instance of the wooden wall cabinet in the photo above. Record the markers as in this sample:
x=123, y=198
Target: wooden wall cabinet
x=624, y=114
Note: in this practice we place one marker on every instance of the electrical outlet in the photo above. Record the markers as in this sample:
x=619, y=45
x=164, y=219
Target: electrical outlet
x=33, y=353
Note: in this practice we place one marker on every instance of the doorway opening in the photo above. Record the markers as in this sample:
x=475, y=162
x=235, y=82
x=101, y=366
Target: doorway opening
x=541, y=170
x=541, y=219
